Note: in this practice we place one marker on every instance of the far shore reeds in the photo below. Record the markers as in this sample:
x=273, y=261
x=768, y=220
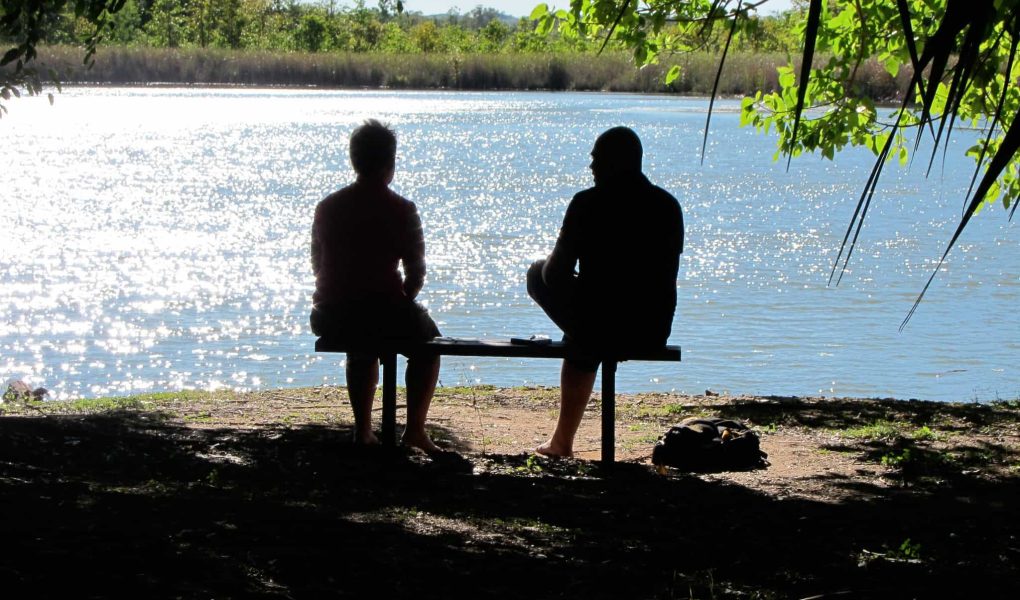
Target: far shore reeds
x=744, y=73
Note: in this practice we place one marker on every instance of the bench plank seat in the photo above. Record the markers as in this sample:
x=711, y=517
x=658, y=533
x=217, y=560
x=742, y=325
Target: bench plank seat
x=489, y=347
x=387, y=351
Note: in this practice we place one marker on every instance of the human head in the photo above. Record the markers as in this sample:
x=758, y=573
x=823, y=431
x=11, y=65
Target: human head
x=373, y=150
x=617, y=153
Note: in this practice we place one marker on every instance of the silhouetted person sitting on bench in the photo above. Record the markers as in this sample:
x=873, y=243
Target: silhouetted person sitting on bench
x=625, y=237
x=360, y=236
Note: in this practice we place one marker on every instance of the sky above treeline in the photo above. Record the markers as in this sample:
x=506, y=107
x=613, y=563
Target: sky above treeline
x=522, y=8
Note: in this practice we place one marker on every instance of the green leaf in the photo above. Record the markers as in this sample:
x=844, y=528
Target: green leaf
x=539, y=11
x=891, y=64
x=641, y=55
x=672, y=74
x=786, y=77
x=544, y=25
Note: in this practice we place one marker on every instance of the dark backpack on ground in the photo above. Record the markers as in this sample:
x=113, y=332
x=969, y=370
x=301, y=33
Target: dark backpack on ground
x=709, y=445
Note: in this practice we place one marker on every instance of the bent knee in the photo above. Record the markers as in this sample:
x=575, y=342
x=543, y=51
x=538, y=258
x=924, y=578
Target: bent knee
x=535, y=280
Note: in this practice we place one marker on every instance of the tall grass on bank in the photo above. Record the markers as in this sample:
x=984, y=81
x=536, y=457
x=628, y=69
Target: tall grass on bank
x=743, y=73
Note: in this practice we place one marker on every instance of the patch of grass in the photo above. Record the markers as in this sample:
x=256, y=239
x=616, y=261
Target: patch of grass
x=105, y=404
x=670, y=411
x=1007, y=404
x=907, y=551
x=896, y=458
x=973, y=456
x=292, y=418
x=926, y=434
x=462, y=390
x=533, y=466
x=114, y=403
x=199, y=417
x=643, y=442
x=921, y=464
x=79, y=406
x=837, y=449
x=880, y=430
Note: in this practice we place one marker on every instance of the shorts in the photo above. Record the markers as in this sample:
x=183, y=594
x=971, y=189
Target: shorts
x=590, y=330
x=401, y=320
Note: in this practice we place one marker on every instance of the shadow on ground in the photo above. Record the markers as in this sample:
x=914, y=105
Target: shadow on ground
x=128, y=504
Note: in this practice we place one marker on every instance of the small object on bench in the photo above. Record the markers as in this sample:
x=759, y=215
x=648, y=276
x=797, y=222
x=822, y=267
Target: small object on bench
x=501, y=348
x=535, y=340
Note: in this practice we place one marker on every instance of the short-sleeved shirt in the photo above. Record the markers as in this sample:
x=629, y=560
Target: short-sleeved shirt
x=360, y=236
x=626, y=238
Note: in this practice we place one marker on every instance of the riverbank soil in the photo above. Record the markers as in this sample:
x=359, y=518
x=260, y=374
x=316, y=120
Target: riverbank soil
x=260, y=495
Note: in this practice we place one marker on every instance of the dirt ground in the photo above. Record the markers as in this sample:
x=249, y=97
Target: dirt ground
x=236, y=495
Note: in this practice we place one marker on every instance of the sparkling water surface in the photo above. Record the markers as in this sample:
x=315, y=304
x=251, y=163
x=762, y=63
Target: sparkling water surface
x=157, y=239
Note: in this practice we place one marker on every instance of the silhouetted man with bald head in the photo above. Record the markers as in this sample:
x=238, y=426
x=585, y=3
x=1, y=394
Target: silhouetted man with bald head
x=624, y=236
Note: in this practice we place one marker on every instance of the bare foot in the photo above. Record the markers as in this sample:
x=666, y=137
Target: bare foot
x=368, y=439
x=420, y=441
x=552, y=450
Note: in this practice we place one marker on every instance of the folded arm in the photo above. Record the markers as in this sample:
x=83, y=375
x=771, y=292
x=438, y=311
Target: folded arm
x=559, y=267
x=414, y=256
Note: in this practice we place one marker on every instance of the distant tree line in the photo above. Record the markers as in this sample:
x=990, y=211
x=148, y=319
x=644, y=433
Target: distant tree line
x=288, y=25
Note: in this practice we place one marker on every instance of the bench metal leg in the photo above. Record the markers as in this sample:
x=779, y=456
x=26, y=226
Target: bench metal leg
x=608, y=412
x=389, y=400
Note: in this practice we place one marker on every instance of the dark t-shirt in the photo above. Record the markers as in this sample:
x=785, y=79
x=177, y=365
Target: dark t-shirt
x=626, y=238
x=360, y=236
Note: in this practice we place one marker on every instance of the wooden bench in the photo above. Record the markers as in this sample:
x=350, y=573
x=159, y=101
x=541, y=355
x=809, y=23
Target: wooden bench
x=460, y=347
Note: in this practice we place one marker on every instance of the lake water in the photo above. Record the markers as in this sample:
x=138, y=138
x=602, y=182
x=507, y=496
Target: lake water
x=158, y=240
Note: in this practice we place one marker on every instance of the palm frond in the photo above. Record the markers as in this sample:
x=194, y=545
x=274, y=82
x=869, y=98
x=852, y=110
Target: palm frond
x=616, y=23
x=863, y=203
x=810, y=37
x=1007, y=150
x=967, y=61
x=1015, y=30
x=718, y=76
